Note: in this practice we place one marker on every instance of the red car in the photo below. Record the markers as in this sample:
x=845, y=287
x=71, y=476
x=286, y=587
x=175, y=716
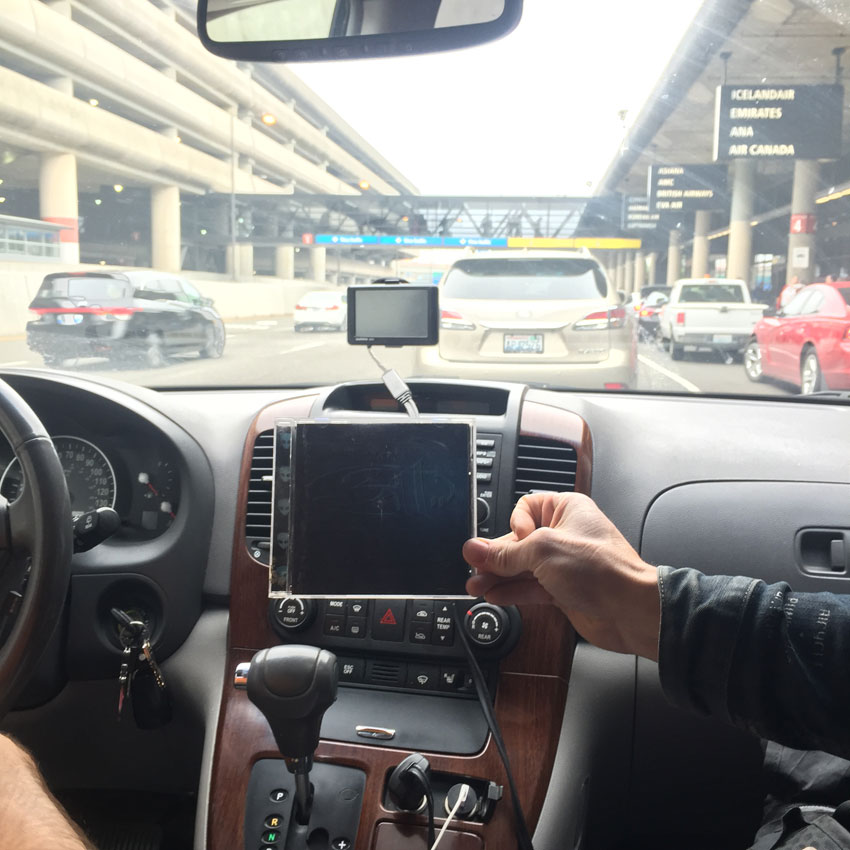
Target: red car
x=807, y=343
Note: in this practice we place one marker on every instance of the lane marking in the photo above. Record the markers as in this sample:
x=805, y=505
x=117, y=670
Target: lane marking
x=15, y=363
x=304, y=347
x=682, y=382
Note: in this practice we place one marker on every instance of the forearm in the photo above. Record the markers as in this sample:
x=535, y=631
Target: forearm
x=760, y=656
x=30, y=817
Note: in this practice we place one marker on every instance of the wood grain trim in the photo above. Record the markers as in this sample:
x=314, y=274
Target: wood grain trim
x=529, y=704
x=553, y=423
x=529, y=710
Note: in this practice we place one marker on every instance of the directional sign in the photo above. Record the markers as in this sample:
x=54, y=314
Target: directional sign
x=348, y=241
x=636, y=214
x=778, y=122
x=685, y=188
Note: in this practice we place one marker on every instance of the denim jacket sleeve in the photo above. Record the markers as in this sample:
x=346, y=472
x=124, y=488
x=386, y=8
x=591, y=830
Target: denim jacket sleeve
x=769, y=660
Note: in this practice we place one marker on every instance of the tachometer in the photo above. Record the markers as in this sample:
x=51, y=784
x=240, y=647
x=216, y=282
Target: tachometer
x=160, y=495
x=88, y=473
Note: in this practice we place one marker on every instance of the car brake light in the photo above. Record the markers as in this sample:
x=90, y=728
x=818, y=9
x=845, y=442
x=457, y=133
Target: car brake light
x=333, y=307
x=680, y=318
x=450, y=320
x=613, y=386
x=300, y=307
x=602, y=320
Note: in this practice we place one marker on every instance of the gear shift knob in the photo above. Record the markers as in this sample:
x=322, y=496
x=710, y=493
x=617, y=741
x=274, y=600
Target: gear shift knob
x=293, y=686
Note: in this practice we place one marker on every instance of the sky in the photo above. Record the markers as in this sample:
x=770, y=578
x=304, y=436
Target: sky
x=535, y=113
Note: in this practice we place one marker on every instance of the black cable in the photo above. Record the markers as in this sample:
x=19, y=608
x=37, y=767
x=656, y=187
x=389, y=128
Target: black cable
x=522, y=834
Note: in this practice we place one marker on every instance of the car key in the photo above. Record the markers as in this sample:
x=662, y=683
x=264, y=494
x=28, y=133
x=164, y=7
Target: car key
x=151, y=696
x=131, y=635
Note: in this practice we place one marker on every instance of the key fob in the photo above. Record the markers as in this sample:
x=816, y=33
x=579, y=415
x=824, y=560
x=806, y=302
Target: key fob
x=151, y=703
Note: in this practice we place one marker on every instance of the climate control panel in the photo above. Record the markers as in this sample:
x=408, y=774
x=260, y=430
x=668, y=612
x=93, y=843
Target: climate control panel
x=385, y=642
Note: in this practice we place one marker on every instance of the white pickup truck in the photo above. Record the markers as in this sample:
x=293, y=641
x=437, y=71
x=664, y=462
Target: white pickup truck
x=708, y=313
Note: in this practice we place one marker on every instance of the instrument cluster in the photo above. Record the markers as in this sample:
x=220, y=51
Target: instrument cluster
x=133, y=474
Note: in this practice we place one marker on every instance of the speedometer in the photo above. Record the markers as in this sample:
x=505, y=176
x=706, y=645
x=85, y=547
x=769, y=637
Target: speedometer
x=88, y=473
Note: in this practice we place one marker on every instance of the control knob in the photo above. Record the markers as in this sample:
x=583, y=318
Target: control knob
x=486, y=624
x=292, y=613
x=483, y=510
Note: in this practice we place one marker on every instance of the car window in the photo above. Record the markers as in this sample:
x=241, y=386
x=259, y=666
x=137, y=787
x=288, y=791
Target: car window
x=813, y=304
x=88, y=288
x=708, y=293
x=797, y=305
x=190, y=291
x=525, y=280
x=844, y=292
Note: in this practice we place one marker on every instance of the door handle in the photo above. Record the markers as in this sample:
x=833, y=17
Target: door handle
x=824, y=551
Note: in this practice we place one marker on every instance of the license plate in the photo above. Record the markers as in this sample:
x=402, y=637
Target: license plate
x=723, y=337
x=523, y=343
x=69, y=318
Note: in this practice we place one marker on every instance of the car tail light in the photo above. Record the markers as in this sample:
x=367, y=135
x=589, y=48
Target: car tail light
x=602, y=320
x=646, y=312
x=680, y=318
x=847, y=333
x=300, y=307
x=452, y=321
x=614, y=386
x=333, y=307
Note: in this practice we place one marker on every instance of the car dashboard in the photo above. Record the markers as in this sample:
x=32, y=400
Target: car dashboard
x=725, y=485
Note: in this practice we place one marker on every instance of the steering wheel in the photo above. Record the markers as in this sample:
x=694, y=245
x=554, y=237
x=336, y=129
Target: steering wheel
x=36, y=539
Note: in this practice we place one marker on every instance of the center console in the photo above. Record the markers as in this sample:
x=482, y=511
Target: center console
x=404, y=682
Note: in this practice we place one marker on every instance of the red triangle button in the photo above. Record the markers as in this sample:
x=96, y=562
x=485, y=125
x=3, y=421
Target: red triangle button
x=389, y=618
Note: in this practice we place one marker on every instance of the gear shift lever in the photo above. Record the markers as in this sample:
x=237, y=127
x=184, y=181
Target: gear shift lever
x=293, y=686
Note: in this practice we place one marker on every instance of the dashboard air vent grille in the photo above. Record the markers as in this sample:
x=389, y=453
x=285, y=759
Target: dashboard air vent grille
x=258, y=514
x=544, y=465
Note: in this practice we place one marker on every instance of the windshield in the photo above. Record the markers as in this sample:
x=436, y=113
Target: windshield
x=548, y=196
x=696, y=294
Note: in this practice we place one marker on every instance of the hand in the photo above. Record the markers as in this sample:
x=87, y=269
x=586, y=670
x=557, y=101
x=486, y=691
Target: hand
x=564, y=551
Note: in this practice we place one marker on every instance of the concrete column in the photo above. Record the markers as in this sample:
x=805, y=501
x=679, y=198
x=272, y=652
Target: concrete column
x=232, y=260
x=640, y=271
x=629, y=278
x=739, y=256
x=801, y=239
x=58, y=203
x=674, y=257
x=652, y=269
x=246, y=259
x=165, y=228
x=620, y=272
x=284, y=262
x=699, y=262
x=318, y=264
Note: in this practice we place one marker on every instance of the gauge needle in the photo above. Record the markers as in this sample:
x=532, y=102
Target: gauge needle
x=153, y=489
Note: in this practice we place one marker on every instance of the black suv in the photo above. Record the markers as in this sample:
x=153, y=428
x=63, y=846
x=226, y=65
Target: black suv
x=145, y=314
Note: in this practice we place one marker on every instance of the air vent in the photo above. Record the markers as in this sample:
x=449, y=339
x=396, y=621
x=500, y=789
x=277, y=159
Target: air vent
x=544, y=465
x=385, y=673
x=258, y=514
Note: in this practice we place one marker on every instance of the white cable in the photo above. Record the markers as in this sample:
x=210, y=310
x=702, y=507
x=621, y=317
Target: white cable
x=461, y=799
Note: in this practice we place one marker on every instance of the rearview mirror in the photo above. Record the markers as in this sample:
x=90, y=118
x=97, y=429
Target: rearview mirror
x=311, y=30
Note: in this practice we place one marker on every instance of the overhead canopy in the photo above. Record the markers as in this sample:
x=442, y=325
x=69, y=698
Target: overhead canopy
x=773, y=41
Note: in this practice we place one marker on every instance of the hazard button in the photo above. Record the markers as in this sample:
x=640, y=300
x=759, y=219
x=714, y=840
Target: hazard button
x=388, y=619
